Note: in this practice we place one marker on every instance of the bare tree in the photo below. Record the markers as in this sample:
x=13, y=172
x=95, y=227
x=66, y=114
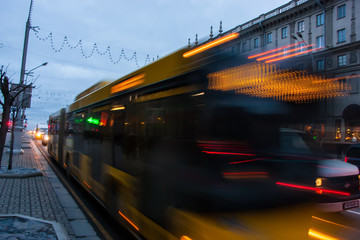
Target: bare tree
x=10, y=95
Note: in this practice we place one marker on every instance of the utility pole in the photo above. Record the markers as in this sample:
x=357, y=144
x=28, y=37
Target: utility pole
x=26, y=40
x=20, y=119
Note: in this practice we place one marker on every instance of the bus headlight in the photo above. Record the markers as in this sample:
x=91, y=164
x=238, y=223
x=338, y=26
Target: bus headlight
x=318, y=182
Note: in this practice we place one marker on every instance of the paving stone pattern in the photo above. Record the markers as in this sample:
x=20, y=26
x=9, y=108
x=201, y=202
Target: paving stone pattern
x=33, y=196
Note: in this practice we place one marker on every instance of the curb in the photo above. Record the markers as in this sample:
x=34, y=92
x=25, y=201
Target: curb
x=22, y=173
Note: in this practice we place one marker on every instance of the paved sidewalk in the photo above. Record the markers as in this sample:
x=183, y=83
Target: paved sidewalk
x=42, y=197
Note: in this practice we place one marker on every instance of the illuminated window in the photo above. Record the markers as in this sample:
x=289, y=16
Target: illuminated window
x=269, y=38
x=284, y=32
x=319, y=19
x=342, y=60
x=301, y=26
x=338, y=129
x=341, y=35
x=320, y=41
x=256, y=42
x=341, y=11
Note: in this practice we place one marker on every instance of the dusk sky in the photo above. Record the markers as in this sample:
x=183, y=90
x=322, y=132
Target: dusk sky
x=152, y=28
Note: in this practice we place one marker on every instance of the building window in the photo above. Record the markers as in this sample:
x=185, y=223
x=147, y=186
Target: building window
x=319, y=19
x=269, y=38
x=233, y=50
x=320, y=65
x=256, y=42
x=341, y=11
x=302, y=46
x=301, y=26
x=341, y=36
x=354, y=81
x=342, y=60
x=244, y=47
x=320, y=41
x=284, y=32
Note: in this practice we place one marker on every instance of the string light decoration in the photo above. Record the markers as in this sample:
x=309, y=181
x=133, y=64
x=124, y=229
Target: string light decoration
x=267, y=81
x=95, y=49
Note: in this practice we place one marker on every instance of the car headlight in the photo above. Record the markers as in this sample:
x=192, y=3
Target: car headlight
x=319, y=182
x=46, y=138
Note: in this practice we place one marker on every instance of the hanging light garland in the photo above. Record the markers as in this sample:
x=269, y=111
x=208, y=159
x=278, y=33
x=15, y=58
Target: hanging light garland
x=95, y=49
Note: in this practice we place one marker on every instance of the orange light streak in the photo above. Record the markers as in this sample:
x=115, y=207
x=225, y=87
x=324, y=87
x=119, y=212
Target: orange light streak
x=131, y=82
x=293, y=55
x=327, y=221
x=319, y=235
x=282, y=53
x=185, y=238
x=338, y=78
x=87, y=184
x=211, y=45
x=132, y=224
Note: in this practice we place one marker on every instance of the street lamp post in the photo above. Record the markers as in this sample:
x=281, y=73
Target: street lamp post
x=22, y=95
x=30, y=72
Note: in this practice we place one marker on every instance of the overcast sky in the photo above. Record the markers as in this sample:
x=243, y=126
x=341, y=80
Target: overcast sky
x=147, y=27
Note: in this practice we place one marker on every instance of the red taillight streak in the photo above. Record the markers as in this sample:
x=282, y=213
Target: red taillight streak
x=346, y=159
x=274, y=50
x=282, y=53
x=250, y=160
x=229, y=153
x=312, y=188
x=226, y=148
x=292, y=55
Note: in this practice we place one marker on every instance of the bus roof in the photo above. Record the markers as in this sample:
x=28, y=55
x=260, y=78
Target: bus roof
x=167, y=67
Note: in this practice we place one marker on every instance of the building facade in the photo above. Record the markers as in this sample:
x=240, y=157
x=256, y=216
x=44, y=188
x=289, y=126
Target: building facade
x=331, y=29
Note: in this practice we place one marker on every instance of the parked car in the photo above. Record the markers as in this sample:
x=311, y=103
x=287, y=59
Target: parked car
x=352, y=155
x=336, y=183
